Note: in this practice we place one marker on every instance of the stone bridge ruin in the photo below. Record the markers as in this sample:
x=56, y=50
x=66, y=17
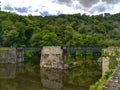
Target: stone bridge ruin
x=51, y=56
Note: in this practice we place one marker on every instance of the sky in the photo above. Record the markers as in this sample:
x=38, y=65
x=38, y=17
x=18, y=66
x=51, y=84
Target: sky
x=57, y=7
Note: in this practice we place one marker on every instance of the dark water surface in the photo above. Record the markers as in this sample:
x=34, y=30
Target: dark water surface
x=28, y=76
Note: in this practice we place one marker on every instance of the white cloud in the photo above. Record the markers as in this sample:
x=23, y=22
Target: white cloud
x=36, y=7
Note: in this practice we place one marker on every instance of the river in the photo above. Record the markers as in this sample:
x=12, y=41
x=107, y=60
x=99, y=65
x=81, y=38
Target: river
x=29, y=76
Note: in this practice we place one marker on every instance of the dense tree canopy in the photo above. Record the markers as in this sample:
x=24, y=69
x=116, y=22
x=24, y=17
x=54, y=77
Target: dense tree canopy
x=62, y=30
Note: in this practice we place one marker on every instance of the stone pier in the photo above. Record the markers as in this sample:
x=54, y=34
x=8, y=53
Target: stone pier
x=52, y=57
x=8, y=55
x=11, y=55
x=105, y=65
x=20, y=54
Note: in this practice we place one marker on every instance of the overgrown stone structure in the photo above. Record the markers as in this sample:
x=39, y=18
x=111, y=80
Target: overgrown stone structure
x=55, y=56
x=114, y=81
x=51, y=56
x=107, y=53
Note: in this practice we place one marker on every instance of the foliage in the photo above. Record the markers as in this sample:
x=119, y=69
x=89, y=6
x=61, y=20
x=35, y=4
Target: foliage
x=113, y=63
x=69, y=62
x=62, y=30
x=31, y=54
x=104, y=53
x=4, y=48
x=29, y=67
x=98, y=85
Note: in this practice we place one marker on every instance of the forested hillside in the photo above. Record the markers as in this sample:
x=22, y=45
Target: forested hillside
x=63, y=30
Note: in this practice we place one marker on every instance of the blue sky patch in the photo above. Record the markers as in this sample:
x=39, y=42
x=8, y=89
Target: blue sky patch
x=21, y=9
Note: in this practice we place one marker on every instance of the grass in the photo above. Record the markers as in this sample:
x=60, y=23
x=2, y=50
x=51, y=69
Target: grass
x=98, y=85
x=69, y=62
x=4, y=48
x=113, y=63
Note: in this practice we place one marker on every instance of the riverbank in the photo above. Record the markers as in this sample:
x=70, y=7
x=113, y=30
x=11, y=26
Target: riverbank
x=109, y=80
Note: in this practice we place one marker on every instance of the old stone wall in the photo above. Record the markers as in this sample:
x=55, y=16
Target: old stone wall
x=114, y=81
x=11, y=55
x=107, y=53
x=8, y=56
x=52, y=57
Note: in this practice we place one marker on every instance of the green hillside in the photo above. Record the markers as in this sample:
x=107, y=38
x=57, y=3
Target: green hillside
x=63, y=30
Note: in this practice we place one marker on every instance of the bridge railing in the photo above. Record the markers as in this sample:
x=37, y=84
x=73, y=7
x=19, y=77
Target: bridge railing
x=83, y=48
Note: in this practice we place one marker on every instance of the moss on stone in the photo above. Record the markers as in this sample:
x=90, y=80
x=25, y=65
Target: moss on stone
x=4, y=48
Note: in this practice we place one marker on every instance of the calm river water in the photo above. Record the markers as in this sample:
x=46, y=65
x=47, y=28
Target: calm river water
x=29, y=76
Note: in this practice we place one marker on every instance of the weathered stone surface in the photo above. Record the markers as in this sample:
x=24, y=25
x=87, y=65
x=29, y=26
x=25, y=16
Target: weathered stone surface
x=114, y=81
x=11, y=55
x=105, y=64
x=8, y=56
x=52, y=57
x=20, y=55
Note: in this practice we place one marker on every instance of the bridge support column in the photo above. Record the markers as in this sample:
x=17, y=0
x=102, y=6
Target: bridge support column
x=8, y=55
x=65, y=55
x=52, y=57
x=19, y=55
x=105, y=65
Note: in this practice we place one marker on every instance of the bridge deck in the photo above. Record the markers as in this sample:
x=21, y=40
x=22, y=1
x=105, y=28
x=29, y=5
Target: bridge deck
x=29, y=48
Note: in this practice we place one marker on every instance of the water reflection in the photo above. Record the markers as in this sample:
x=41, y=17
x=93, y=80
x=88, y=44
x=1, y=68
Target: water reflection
x=51, y=79
x=31, y=77
x=15, y=77
x=79, y=78
x=7, y=71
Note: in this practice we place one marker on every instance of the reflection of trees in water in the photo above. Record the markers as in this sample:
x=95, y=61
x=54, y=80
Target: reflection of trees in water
x=16, y=78
x=86, y=74
x=19, y=84
x=79, y=78
x=49, y=79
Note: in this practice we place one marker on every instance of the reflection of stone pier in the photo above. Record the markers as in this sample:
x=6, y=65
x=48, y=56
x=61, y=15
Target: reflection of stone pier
x=51, y=79
x=8, y=71
x=54, y=79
